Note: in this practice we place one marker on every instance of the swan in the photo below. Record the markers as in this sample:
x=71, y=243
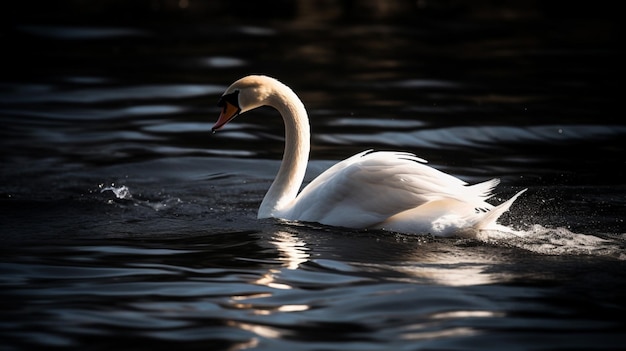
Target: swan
x=389, y=190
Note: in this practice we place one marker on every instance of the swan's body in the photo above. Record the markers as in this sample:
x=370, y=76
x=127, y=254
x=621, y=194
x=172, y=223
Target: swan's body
x=386, y=190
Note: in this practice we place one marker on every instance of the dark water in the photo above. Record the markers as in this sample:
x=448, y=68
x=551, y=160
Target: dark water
x=125, y=224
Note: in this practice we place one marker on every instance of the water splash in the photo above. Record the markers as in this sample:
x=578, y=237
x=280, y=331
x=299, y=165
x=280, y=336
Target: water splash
x=558, y=241
x=123, y=193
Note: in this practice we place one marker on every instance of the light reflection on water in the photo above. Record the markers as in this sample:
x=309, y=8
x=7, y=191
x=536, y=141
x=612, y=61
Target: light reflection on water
x=261, y=288
x=86, y=95
x=127, y=224
x=477, y=137
x=83, y=33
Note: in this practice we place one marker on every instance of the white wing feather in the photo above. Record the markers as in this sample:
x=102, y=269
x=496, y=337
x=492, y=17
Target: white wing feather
x=370, y=187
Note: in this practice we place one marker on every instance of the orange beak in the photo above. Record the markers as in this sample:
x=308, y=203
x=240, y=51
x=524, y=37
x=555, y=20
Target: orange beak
x=229, y=111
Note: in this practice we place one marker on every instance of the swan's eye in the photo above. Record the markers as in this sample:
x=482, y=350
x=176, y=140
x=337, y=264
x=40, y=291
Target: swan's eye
x=232, y=98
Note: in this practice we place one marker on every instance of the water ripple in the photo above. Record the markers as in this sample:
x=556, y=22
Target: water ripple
x=484, y=136
x=101, y=94
x=82, y=33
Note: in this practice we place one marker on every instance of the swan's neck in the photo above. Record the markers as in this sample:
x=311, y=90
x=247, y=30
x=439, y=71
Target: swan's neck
x=285, y=187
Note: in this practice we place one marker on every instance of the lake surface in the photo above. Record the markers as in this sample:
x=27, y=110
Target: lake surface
x=126, y=224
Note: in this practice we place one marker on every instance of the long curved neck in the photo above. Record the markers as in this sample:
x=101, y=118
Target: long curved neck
x=285, y=187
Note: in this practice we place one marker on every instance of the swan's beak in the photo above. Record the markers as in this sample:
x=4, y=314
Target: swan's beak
x=229, y=111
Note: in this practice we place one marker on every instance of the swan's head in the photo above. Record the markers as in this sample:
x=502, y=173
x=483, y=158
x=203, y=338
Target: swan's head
x=244, y=95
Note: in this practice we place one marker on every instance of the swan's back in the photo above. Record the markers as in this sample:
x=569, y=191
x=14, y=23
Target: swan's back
x=370, y=188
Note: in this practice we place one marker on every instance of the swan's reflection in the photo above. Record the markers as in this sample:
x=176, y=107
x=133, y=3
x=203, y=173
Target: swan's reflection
x=378, y=270
x=425, y=262
x=447, y=274
x=293, y=252
x=446, y=264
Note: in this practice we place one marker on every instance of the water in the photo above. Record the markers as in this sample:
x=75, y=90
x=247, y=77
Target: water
x=126, y=224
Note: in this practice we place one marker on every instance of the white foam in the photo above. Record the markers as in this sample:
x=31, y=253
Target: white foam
x=558, y=241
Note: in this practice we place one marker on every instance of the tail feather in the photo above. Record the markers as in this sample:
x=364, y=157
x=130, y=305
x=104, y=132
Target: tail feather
x=483, y=190
x=490, y=218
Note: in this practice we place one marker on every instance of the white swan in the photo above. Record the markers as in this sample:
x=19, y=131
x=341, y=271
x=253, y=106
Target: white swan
x=387, y=190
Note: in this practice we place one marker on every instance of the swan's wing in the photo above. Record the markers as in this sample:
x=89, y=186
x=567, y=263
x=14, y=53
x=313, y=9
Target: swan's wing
x=369, y=187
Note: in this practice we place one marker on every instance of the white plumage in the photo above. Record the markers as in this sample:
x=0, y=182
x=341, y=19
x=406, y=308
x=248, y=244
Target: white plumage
x=388, y=190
